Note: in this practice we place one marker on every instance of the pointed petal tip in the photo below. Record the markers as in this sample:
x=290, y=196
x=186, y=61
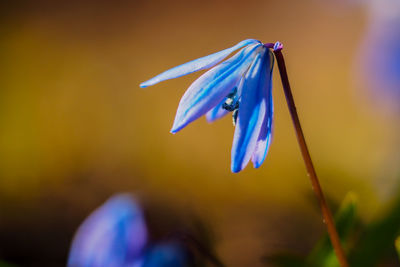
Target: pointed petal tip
x=176, y=128
x=173, y=130
x=257, y=164
x=258, y=160
x=236, y=168
x=143, y=85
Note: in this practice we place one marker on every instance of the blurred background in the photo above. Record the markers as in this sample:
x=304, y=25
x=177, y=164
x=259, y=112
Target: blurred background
x=76, y=128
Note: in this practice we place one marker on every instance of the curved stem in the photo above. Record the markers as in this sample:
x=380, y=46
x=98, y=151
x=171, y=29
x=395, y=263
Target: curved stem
x=326, y=212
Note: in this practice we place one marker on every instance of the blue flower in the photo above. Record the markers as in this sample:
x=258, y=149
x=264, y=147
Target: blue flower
x=116, y=235
x=378, y=59
x=241, y=84
x=113, y=235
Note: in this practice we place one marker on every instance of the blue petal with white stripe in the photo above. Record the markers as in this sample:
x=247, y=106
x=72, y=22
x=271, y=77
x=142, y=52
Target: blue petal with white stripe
x=197, y=64
x=212, y=87
x=217, y=112
x=265, y=138
x=252, y=109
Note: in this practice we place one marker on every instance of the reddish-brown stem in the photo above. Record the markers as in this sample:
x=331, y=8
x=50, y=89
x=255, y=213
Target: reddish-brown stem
x=326, y=212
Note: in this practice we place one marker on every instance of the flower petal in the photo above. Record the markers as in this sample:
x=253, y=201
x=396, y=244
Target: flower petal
x=217, y=112
x=212, y=87
x=197, y=64
x=113, y=235
x=252, y=110
x=264, y=140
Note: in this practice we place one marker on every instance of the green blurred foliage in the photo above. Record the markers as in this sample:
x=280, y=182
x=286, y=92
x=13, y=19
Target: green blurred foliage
x=366, y=245
x=5, y=264
x=346, y=220
x=377, y=240
x=397, y=246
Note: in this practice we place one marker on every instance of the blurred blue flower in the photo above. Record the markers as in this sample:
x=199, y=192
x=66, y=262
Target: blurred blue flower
x=241, y=84
x=378, y=59
x=113, y=235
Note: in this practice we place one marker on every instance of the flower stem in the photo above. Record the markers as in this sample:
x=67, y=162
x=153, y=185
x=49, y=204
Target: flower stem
x=326, y=212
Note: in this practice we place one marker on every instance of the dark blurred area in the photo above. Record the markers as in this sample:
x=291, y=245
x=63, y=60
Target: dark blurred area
x=75, y=127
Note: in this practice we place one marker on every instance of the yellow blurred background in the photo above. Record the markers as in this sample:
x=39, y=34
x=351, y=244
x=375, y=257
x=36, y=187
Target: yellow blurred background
x=75, y=127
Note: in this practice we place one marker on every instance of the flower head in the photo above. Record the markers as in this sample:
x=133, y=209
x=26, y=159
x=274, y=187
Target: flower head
x=242, y=85
x=113, y=235
x=116, y=235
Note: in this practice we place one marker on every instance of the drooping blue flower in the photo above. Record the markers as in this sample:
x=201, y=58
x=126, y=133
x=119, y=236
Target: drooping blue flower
x=241, y=84
x=114, y=235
